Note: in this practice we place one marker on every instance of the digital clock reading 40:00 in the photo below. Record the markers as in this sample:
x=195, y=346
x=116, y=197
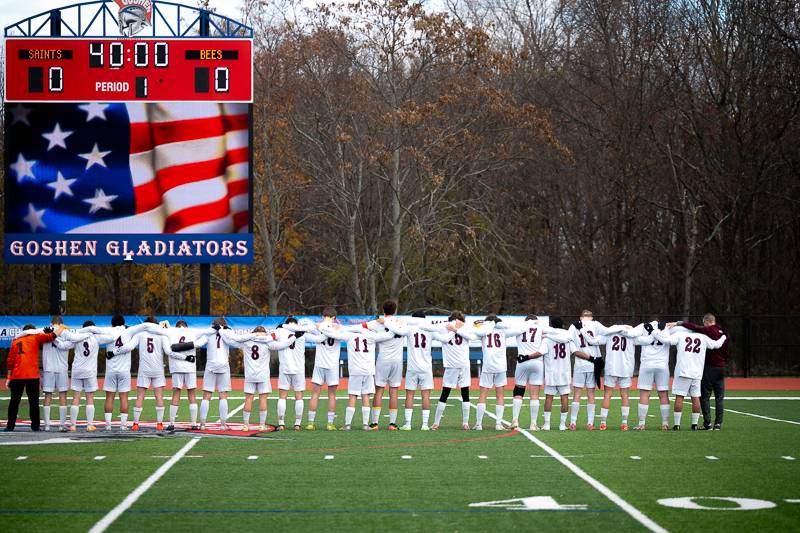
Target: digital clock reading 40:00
x=81, y=70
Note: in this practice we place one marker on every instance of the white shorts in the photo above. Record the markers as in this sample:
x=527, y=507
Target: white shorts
x=184, y=380
x=686, y=387
x=55, y=381
x=361, y=385
x=117, y=382
x=556, y=390
x=529, y=373
x=84, y=384
x=295, y=382
x=262, y=387
x=490, y=380
x=583, y=380
x=419, y=380
x=456, y=378
x=649, y=376
x=622, y=382
x=146, y=382
x=219, y=381
x=389, y=374
x=325, y=376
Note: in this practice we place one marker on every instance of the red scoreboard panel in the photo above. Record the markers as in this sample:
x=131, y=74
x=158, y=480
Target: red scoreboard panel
x=116, y=70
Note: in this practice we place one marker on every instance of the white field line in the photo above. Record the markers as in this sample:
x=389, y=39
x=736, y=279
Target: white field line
x=635, y=513
x=129, y=500
x=632, y=398
x=760, y=416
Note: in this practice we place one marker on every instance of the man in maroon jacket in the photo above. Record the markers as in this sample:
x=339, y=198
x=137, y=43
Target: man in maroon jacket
x=713, y=372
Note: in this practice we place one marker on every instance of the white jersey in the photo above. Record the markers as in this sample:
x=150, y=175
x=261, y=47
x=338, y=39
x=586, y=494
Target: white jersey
x=256, y=359
x=327, y=351
x=177, y=360
x=286, y=346
x=418, y=335
x=654, y=354
x=360, y=347
x=493, y=345
x=691, y=351
x=390, y=350
x=530, y=341
x=55, y=355
x=581, y=340
x=84, y=365
x=217, y=348
x=117, y=337
x=557, y=362
x=620, y=355
x=152, y=349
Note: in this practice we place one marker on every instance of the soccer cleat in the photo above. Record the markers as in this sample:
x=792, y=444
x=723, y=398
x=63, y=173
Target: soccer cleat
x=623, y=427
x=135, y=426
x=694, y=427
x=262, y=427
x=330, y=427
x=464, y=426
x=374, y=427
x=436, y=426
x=477, y=427
x=281, y=427
x=202, y=426
x=640, y=427
x=546, y=427
x=603, y=426
x=705, y=427
x=393, y=427
x=311, y=427
x=405, y=427
x=70, y=428
x=534, y=427
x=676, y=427
x=47, y=427
x=514, y=424
x=160, y=426
x=91, y=428
x=171, y=427
x=346, y=427
x=63, y=429
x=123, y=427
x=298, y=427
x=424, y=428
x=499, y=427
x=224, y=427
x=664, y=427
x=562, y=427
x=365, y=427
x=573, y=427
x=589, y=427
x=108, y=427
x=245, y=427
x=717, y=427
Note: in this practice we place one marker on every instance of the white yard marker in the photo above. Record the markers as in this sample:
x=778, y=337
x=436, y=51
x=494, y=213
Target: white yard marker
x=787, y=457
x=22, y=457
x=635, y=513
x=405, y=457
x=99, y=457
x=252, y=457
x=551, y=457
x=483, y=457
x=636, y=457
x=792, y=501
x=761, y=416
x=131, y=498
x=712, y=458
x=328, y=457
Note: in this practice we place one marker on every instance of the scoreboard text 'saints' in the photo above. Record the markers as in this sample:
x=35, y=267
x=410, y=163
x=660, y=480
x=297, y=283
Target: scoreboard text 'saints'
x=115, y=70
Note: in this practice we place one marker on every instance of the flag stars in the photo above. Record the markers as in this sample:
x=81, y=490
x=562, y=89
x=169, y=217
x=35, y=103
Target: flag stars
x=19, y=113
x=62, y=186
x=34, y=218
x=57, y=137
x=100, y=201
x=95, y=157
x=23, y=168
x=94, y=110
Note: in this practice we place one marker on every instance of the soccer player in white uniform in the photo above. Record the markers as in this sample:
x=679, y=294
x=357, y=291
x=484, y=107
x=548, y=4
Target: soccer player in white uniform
x=291, y=371
x=256, y=375
x=55, y=376
x=619, y=364
x=388, y=368
x=653, y=371
x=556, y=347
x=455, y=359
x=84, y=375
x=583, y=375
x=183, y=369
x=361, y=366
x=688, y=367
x=326, y=369
x=529, y=371
x=495, y=366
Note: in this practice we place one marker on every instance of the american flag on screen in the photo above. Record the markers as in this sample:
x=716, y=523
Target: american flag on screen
x=127, y=168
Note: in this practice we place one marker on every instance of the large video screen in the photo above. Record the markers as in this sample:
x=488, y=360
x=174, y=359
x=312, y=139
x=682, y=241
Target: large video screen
x=141, y=182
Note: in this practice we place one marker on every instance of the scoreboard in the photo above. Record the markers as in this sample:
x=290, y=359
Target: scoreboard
x=125, y=70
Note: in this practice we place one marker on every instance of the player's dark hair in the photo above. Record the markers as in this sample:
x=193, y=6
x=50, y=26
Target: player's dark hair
x=259, y=329
x=88, y=323
x=493, y=317
x=117, y=320
x=329, y=312
x=220, y=321
x=418, y=314
x=389, y=307
x=290, y=320
x=456, y=315
x=587, y=312
x=181, y=324
x=28, y=326
x=531, y=317
x=556, y=322
x=56, y=319
x=151, y=319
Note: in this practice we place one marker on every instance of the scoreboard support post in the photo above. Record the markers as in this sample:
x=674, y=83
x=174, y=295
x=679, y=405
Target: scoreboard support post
x=205, y=269
x=55, y=269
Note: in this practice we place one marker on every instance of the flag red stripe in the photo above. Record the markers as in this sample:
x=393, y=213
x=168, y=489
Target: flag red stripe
x=148, y=196
x=146, y=135
x=196, y=215
x=141, y=139
x=171, y=177
x=239, y=155
x=240, y=220
x=235, y=188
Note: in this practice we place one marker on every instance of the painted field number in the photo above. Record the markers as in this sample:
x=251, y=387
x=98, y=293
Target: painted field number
x=531, y=503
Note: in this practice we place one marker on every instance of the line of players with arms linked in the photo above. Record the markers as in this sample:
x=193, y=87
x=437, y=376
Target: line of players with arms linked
x=544, y=358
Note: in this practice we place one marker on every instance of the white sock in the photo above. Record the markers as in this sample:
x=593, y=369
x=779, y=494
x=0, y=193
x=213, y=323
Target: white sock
x=603, y=415
x=123, y=419
x=534, y=411
x=47, y=416
x=677, y=417
x=626, y=410
x=437, y=417
x=499, y=410
x=407, y=416
x=365, y=414
x=223, y=410
x=393, y=416
x=348, y=415
x=563, y=421
x=62, y=414
x=193, y=413
x=312, y=416
x=576, y=407
x=331, y=416
x=90, y=414
x=547, y=415
x=73, y=414
x=246, y=417
x=426, y=414
x=159, y=414
x=643, y=408
x=108, y=417
x=516, y=407
x=590, y=413
x=204, y=404
x=479, y=417
x=465, y=412
x=695, y=418
x=299, y=406
x=281, y=411
x=262, y=417
x=665, y=413
x=173, y=414
x=137, y=414
x=376, y=414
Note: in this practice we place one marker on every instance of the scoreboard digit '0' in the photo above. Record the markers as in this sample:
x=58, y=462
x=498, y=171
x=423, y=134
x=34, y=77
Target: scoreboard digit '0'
x=125, y=70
